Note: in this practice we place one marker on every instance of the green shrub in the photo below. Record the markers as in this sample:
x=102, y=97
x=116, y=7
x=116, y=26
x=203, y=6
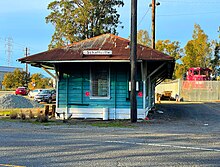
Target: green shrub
x=13, y=115
x=31, y=115
x=23, y=116
x=41, y=117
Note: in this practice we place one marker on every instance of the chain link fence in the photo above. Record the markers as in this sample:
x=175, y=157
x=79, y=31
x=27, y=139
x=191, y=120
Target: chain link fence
x=200, y=90
x=192, y=90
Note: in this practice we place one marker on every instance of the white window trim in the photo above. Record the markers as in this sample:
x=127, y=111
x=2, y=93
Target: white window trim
x=109, y=86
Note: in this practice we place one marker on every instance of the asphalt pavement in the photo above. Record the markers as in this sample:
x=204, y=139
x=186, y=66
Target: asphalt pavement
x=186, y=134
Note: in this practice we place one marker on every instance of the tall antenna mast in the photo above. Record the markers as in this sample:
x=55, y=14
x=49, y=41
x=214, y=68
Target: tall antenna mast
x=8, y=49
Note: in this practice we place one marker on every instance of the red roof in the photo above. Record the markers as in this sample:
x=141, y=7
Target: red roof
x=119, y=47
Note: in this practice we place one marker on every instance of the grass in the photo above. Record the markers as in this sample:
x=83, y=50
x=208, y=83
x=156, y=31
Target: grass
x=95, y=123
x=51, y=122
x=4, y=112
x=115, y=123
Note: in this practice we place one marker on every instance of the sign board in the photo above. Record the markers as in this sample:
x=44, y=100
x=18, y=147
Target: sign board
x=97, y=52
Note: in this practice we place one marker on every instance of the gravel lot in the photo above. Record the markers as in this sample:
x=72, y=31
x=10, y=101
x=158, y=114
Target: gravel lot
x=15, y=101
x=185, y=135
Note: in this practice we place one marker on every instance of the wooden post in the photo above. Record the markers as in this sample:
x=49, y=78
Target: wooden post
x=133, y=55
x=53, y=110
x=46, y=110
x=153, y=24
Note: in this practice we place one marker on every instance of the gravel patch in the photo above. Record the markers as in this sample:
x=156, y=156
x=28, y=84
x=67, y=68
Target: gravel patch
x=13, y=101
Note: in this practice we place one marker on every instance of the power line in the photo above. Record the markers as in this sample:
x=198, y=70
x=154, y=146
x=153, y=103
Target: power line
x=19, y=45
x=191, y=2
x=189, y=14
x=144, y=16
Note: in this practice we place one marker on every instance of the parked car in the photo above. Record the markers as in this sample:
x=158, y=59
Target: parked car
x=34, y=92
x=21, y=91
x=46, y=95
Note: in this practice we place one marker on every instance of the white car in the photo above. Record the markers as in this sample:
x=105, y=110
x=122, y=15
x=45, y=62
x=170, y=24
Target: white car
x=34, y=92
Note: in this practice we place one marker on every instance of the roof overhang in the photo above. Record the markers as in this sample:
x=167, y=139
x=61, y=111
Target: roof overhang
x=51, y=64
x=104, y=48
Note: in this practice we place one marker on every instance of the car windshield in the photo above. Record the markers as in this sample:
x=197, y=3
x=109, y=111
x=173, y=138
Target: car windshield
x=20, y=88
x=45, y=92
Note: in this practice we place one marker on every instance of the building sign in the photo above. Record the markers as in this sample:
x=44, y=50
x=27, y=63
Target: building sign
x=97, y=52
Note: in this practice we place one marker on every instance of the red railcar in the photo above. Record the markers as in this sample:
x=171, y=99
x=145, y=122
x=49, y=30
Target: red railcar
x=195, y=76
x=198, y=74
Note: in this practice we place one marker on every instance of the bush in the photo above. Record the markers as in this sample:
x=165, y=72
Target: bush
x=23, y=116
x=31, y=115
x=41, y=117
x=13, y=115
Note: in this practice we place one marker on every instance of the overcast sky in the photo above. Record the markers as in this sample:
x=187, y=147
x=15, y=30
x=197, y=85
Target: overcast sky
x=23, y=21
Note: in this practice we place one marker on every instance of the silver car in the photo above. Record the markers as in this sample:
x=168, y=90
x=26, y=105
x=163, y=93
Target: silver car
x=34, y=92
x=46, y=95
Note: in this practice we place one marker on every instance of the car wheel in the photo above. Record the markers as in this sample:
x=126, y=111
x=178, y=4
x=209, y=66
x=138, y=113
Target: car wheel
x=49, y=100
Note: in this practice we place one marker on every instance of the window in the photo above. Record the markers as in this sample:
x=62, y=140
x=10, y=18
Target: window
x=100, y=84
x=196, y=72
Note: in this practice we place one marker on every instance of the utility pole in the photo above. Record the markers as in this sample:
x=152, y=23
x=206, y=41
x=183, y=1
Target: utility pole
x=26, y=54
x=153, y=24
x=26, y=65
x=219, y=38
x=153, y=5
x=133, y=57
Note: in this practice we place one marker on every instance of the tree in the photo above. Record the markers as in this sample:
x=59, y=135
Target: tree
x=215, y=62
x=75, y=20
x=8, y=81
x=171, y=48
x=179, y=70
x=37, y=81
x=15, y=79
x=197, y=50
x=143, y=38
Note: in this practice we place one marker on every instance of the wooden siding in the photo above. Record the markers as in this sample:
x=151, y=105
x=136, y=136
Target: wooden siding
x=75, y=82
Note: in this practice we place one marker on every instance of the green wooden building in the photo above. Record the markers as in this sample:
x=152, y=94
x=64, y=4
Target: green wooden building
x=93, y=77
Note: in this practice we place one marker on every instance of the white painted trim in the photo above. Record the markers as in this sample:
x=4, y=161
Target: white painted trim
x=144, y=94
x=122, y=113
x=99, y=98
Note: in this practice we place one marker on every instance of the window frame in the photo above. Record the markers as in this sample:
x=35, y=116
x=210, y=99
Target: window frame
x=109, y=85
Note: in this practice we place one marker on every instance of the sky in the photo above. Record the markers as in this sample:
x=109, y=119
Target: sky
x=22, y=24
